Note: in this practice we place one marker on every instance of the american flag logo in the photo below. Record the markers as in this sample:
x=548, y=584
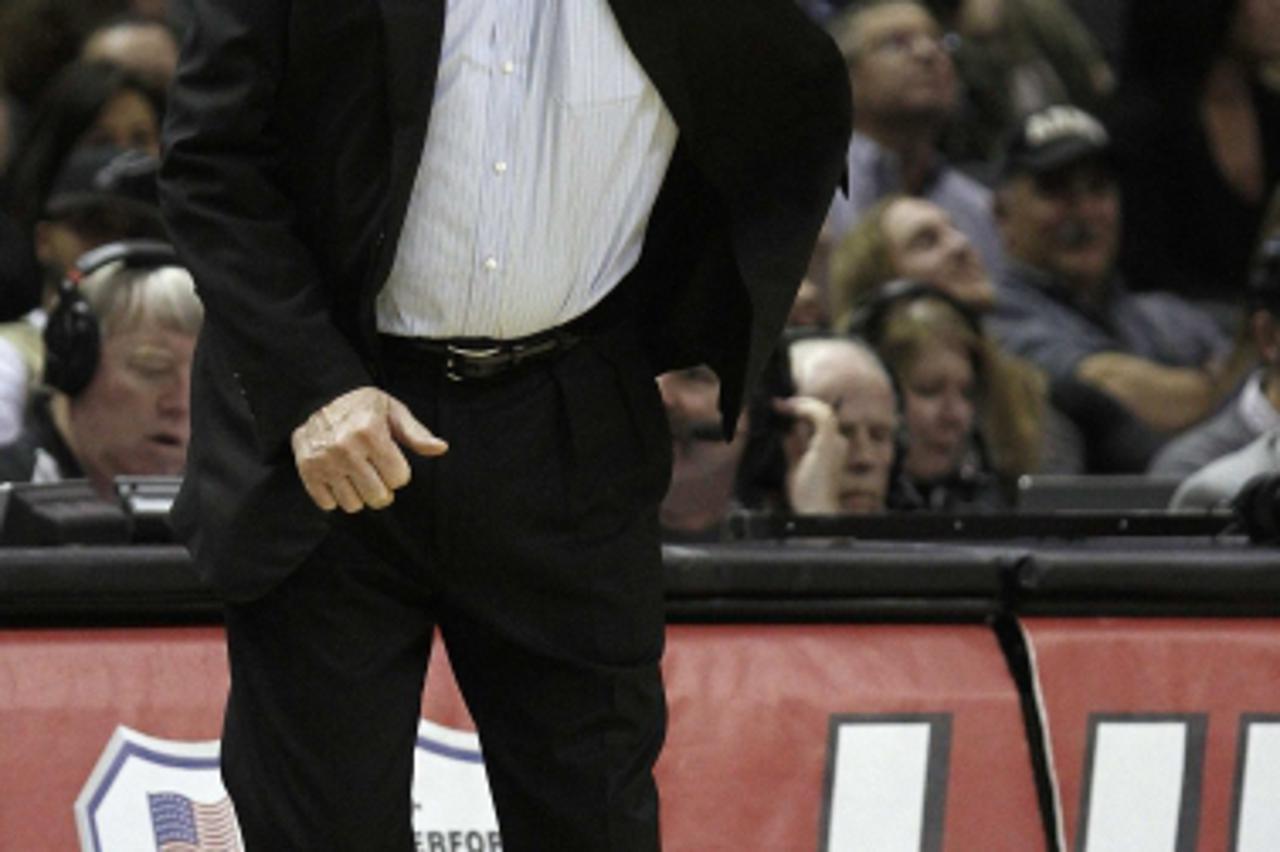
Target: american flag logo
x=182, y=825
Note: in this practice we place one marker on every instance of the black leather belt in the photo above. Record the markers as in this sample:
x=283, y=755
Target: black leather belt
x=478, y=359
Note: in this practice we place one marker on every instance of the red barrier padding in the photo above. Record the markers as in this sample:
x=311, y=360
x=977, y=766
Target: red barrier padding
x=62, y=694
x=752, y=760
x=442, y=703
x=751, y=707
x=1149, y=724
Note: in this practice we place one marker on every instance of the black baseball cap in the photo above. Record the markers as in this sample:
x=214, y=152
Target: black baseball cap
x=105, y=177
x=1052, y=138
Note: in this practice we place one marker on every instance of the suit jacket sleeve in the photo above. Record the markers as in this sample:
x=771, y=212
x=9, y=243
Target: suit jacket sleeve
x=232, y=218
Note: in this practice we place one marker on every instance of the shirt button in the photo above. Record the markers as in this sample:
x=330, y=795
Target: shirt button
x=508, y=67
x=490, y=263
x=500, y=167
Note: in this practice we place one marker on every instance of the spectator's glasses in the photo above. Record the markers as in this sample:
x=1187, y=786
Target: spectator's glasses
x=904, y=43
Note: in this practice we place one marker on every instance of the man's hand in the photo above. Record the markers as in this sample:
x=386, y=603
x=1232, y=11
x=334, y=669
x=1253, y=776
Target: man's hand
x=815, y=456
x=348, y=453
x=1167, y=399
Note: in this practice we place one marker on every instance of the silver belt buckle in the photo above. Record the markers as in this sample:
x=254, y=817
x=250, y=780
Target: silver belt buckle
x=454, y=354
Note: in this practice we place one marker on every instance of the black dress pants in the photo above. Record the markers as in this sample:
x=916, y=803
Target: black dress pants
x=533, y=545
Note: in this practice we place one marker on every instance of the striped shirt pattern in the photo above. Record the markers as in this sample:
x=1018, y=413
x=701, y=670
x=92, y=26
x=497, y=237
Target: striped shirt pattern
x=546, y=148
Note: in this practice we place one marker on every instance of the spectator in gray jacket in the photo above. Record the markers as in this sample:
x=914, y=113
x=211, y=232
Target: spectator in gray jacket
x=1061, y=302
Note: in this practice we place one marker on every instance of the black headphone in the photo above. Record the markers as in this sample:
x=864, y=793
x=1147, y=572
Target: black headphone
x=72, y=333
x=868, y=322
x=868, y=319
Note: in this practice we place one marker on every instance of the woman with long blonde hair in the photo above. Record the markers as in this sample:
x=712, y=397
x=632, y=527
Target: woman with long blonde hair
x=910, y=238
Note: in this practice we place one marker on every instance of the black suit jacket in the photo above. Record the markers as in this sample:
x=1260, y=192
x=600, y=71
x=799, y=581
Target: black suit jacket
x=292, y=141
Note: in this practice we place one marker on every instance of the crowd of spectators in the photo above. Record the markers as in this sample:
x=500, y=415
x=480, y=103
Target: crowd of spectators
x=1049, y=259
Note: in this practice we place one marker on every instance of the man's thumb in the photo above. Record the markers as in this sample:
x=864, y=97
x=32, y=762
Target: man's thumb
x=409, y=431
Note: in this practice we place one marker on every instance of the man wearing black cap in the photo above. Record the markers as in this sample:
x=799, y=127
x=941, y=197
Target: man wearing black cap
x=1061, y=302
x=102, y=194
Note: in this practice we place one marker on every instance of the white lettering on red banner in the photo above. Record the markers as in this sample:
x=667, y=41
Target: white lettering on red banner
x=1256, y=822
x=1142, y=781
x=886, y=783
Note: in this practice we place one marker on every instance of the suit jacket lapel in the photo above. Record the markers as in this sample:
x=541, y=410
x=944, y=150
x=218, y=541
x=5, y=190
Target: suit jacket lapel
x=652, y=31
x=413, y=31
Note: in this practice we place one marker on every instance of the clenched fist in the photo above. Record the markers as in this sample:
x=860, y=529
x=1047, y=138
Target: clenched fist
x=349, y=452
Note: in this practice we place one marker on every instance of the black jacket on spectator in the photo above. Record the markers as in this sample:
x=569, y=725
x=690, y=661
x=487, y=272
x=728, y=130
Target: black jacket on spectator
x=38, y=453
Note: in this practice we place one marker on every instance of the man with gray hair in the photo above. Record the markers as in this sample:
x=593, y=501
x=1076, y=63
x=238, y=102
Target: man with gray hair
x=117, y=380
x=842, y=426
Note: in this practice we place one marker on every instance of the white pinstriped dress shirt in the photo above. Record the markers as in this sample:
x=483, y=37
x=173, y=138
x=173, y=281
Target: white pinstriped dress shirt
x=545, y=151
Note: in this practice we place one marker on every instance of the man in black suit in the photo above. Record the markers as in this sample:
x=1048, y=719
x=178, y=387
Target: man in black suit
x=666, y=169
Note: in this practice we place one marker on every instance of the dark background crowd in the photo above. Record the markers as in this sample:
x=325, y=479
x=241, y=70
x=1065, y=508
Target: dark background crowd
x=1059, y=254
